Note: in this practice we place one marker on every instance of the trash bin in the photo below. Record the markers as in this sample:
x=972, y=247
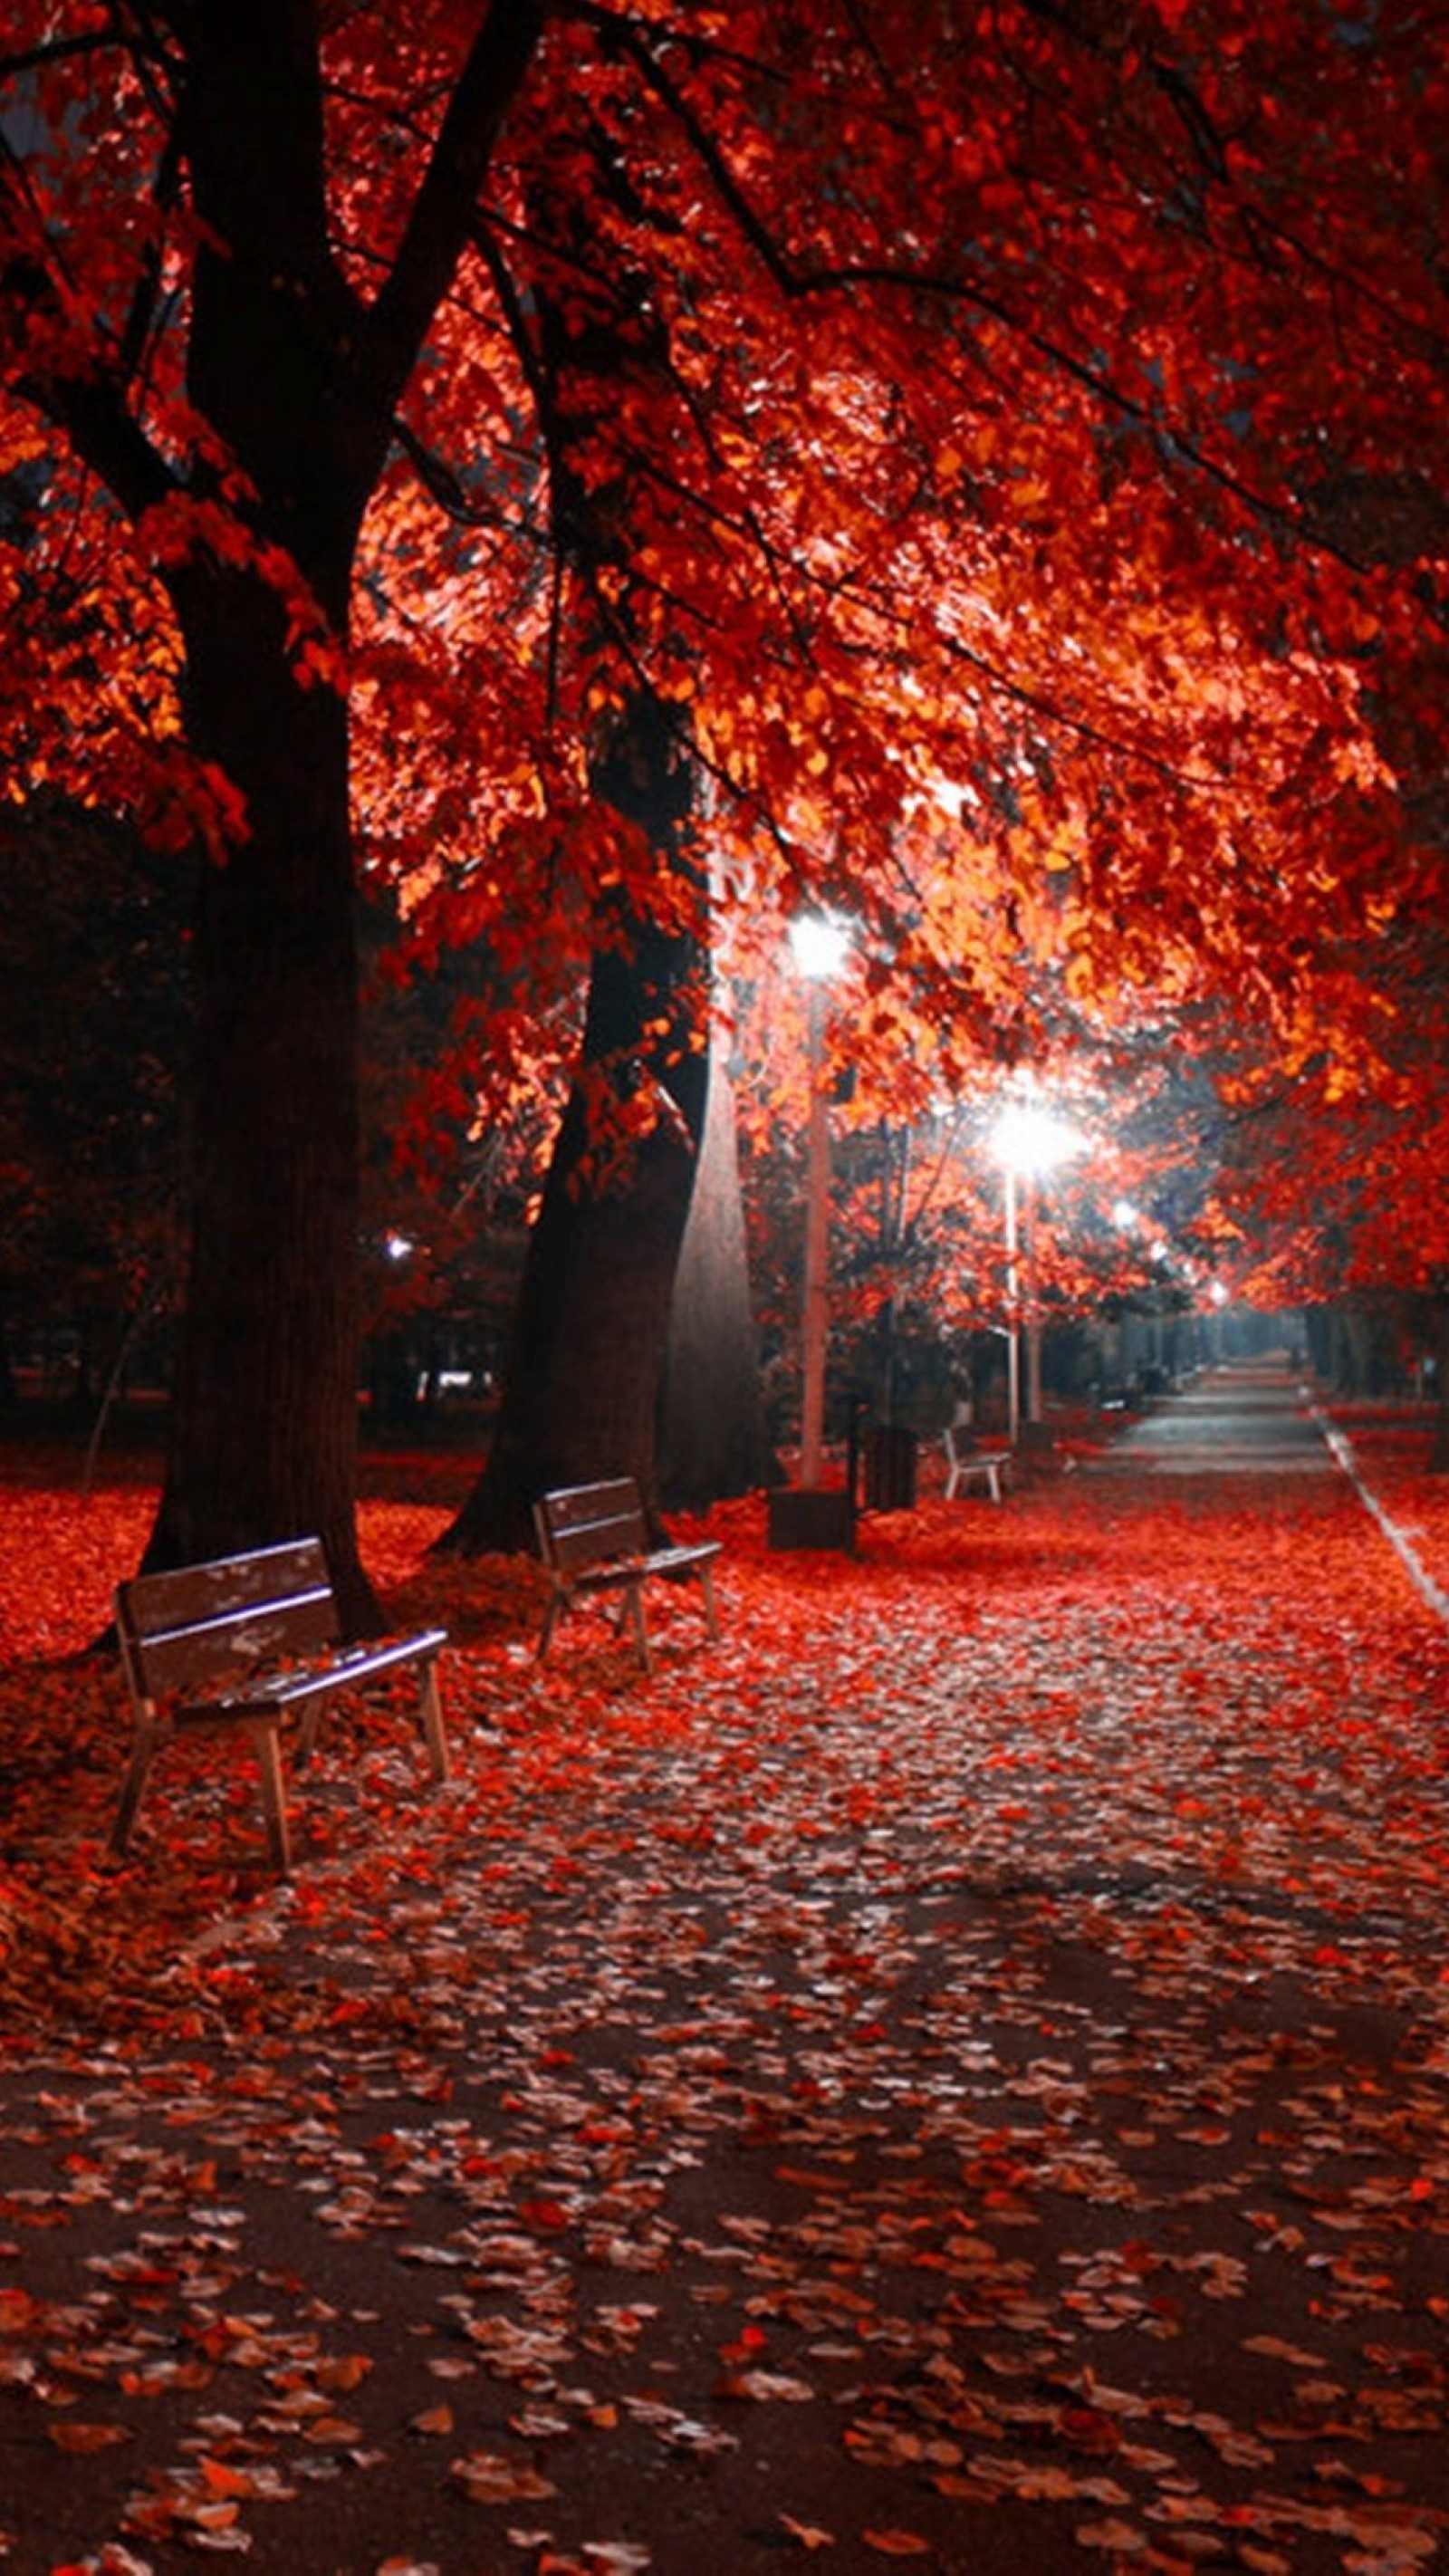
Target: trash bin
x=818, y=1516
x=890, y=1468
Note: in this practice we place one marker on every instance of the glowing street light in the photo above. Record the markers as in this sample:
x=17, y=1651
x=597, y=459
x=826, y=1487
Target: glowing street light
x=1028, y=1141
x=820, y=943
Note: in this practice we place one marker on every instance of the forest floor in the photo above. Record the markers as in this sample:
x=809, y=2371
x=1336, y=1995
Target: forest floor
x=956, y=2073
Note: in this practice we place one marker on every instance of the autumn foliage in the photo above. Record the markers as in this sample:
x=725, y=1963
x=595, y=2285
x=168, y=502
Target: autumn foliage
x=991, y=441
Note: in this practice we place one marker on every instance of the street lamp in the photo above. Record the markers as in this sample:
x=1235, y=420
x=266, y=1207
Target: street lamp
x=820, y=944
x=1028, y=1141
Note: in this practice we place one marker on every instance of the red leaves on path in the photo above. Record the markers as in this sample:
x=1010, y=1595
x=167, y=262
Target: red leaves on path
x=956, y=2073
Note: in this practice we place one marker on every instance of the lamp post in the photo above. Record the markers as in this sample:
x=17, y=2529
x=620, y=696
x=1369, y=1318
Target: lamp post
x=1028, y=1141
x=820, y=945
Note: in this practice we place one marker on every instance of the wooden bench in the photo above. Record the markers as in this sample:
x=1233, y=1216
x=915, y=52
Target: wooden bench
x=241, y=1646
x=966, y=1466
x=593, y=1538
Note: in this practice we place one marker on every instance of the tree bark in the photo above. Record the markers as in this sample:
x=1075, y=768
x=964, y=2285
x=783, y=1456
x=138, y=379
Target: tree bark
x=1439, y=1446
x=713, y=1440
x=298, y=383
x=580, y=1390
x=263, y=1439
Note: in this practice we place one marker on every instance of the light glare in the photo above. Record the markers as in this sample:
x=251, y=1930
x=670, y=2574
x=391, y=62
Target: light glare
x=1030, y=1139
x=820, y=943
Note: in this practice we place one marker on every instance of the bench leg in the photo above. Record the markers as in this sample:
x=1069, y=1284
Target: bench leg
x=633, y=1610
x=430, y=1714
x=133, y=1790
x=274, y=1796
x=711, y=1607
x=557, y=1603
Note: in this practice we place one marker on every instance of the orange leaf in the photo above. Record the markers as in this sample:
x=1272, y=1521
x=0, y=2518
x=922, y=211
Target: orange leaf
x=227, y=2482
x=87, y=2437
x=806, y=2533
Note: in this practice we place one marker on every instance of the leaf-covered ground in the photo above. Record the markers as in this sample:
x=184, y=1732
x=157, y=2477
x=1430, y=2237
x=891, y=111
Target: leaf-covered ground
x=956, y=2073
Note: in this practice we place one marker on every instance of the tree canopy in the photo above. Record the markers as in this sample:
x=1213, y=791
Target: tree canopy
x=994, y=438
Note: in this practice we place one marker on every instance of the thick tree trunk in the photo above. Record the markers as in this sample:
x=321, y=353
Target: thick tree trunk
x=713, y=1441
x=298, y=383
x=581, y=1380
x=1439, y=1447
x=264, y=1416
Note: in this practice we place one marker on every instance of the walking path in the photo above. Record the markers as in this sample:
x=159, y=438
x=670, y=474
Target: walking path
x=1249, y=1420
x=1244, y=1420
x=957, y=2075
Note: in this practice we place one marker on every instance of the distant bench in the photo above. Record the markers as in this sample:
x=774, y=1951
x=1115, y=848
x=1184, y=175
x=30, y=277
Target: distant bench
x=967, y=1466
x=594, y=1538
x=239, y=1646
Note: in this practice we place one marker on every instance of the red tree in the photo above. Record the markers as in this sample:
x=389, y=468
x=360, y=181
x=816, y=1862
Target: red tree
x=1016, y=379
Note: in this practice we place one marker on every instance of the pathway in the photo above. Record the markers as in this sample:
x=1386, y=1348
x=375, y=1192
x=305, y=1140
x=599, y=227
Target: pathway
x=959, y=2075
x=1246, y=1419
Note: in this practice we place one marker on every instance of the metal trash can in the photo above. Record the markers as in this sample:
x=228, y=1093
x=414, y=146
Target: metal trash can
x=890, y=1468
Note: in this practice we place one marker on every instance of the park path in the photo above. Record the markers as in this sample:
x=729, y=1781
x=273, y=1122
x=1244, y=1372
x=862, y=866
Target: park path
x=1259, y=1418
x=1247, y=1418
x=957, y=2075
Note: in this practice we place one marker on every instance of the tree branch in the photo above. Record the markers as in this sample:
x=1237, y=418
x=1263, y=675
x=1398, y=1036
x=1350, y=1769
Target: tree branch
x=797, y=282
x=442, y=214
x=83, y=397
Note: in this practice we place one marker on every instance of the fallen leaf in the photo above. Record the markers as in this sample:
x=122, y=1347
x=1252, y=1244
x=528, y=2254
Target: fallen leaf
x=83, y=2438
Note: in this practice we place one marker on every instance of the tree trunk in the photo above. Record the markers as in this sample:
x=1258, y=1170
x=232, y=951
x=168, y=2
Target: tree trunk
x=713, y=1439
x=264, y=1418
x=581, y=1379
x=1439, y=1447
x=298, y=383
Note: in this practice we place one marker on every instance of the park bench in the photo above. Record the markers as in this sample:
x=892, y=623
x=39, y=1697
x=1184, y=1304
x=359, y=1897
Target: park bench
x=241, y=1646
x=966, y=1466
x=594, y=1538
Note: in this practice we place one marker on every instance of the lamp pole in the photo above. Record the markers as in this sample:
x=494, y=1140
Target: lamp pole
x=1013, y=1315
x=1033, y=1321
x=816, y=1318
x=820, y=945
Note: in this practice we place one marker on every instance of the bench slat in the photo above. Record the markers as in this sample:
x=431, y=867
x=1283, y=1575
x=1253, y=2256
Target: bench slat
x=568, y=1505
x=266, y=1634
x=590, y=1542
x=186, y=1596
x=340, y=1672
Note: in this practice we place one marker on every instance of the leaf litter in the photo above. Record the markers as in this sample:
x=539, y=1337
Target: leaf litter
x=958, y=2068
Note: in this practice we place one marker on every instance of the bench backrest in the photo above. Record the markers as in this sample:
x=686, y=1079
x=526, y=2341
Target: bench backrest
x=203, y=1621
x=583, y=1525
